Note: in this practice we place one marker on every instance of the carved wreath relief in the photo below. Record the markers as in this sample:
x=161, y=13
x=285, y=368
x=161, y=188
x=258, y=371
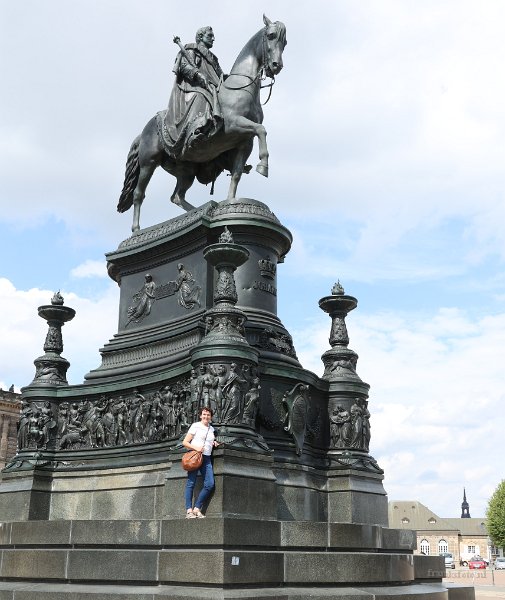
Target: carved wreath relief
x=185, y=285
x=276, y=341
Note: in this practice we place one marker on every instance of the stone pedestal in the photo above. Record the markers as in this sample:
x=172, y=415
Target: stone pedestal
x=95, y=492
x=216, y=558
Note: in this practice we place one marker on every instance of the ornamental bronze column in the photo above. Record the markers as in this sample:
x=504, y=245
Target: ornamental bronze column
x=51, y=368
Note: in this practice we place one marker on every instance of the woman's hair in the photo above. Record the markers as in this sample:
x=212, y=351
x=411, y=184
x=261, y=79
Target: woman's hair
x=200, y=411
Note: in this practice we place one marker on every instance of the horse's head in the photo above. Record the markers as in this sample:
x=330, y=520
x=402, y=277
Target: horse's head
x=274, y=41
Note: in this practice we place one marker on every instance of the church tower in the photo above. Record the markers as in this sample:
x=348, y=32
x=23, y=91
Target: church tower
x=465, y=507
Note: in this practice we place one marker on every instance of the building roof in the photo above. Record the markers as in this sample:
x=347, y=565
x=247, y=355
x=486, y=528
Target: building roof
x=8, y=396
x=10, y=403
x=411, y=514
x=470, y=525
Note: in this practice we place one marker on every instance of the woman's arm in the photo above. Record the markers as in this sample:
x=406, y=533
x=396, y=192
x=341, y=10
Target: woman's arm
x=187, y=443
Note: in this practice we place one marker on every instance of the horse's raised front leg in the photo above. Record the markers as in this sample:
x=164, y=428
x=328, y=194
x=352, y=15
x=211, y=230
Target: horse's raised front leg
x=245, y=126
x=241, y=155
x=146, y=172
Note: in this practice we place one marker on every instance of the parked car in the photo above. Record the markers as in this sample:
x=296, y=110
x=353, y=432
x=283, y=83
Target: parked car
x=499, y=563
x=477, y=563
x=449, y=560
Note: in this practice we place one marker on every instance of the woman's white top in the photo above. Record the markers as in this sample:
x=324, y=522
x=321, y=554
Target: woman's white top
x=199, y=431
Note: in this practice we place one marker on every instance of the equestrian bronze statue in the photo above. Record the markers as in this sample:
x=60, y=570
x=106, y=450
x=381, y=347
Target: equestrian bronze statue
x=211, y=120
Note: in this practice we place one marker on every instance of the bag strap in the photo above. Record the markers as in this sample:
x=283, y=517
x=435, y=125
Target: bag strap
x=205, y=438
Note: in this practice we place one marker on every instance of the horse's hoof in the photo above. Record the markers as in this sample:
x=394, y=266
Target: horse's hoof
x=182, y=203
x=187, y=206
x=262, y=170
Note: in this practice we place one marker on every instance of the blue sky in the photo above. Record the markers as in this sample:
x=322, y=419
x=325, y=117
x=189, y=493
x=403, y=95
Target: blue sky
x=386, y=134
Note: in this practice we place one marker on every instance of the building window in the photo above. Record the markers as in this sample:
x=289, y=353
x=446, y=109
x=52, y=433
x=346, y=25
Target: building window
x=405, y=520
x=442, y=547
x=432, y=521
x=425, y=547
x=471, y=549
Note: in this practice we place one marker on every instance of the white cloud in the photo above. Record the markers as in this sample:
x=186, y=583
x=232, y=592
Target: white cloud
x=403, y=114
x=436, y=400
x=90, y=268
x=94, y=324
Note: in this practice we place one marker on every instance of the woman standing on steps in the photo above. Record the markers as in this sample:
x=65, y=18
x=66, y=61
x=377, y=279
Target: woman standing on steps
x=200, y=437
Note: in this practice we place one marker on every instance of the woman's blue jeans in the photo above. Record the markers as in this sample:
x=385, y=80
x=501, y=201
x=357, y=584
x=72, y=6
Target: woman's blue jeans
x=208, y=483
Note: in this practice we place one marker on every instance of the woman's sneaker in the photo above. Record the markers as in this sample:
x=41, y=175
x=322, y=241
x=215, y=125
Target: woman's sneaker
x=198, y=514
x=190, y=514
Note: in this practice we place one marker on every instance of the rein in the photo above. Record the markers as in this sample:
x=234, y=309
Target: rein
x=259, y=75
x=253, y=81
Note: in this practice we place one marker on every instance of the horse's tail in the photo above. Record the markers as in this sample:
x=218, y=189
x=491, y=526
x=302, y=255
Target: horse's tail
x=131, y=177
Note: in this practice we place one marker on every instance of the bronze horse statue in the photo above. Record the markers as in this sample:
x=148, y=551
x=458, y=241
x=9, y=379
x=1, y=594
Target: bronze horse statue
x=229, y=148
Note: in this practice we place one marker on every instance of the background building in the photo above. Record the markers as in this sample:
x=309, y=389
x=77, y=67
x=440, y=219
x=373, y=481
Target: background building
x=10, y=407
x=464, y=537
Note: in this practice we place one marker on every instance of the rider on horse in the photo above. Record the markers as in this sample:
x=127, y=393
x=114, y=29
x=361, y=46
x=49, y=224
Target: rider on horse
x=210, y=124
x=193, y=111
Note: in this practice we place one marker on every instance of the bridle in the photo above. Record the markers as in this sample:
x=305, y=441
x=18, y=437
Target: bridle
x=260, y=75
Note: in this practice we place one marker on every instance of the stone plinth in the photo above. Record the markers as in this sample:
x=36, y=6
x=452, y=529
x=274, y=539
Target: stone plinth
x=225, y=555
x=95, y=492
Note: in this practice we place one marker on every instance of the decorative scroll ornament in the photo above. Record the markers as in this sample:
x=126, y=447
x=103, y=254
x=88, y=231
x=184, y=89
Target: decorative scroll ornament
x=349, y=460
x=243, y=208
x=296, y=403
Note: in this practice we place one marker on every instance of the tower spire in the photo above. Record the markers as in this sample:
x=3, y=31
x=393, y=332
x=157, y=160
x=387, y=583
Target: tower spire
x=465, y=507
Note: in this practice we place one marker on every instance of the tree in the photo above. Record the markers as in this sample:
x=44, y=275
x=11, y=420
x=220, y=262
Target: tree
x=495, y=515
